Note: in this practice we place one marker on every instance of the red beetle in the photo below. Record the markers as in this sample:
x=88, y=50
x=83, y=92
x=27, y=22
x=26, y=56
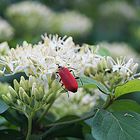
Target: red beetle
x=68, y=80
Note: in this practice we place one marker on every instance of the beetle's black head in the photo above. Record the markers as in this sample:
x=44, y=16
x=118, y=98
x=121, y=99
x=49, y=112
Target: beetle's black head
x=59, y=66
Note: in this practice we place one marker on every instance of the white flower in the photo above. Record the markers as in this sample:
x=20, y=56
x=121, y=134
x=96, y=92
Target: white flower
x=43, y=58
x=6, y=31
x=71, y=23
x=120, y=49
x=4, y=48
x=29, y=17
x=87, y=57
x=119, y=9
x=111, y=72
x=33, y=17
x=128, y=68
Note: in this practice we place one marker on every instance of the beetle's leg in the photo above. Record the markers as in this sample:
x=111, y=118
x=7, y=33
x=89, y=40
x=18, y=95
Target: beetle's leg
x=70, y=68
x=60, y=81
x=80, y=80
x=57, y=76
x=62, y=85
x=72, y=72
x=76, y=76
x=65, y=89
x=68, y=94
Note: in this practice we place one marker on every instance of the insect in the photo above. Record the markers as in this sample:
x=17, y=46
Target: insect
x=68, y=80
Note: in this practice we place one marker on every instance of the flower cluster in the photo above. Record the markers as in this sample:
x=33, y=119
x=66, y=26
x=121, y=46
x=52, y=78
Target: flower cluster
x=43, y=58
x=4, y=48
x=31, y=95
x=41, y=61
x=33, y=17
x=112, y=72
x=120, y=49
x=6, y=31
x=29, y=17
x=68, y=23
x=121, y=10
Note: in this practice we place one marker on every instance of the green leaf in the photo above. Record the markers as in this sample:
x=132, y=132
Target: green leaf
x=125, y=105
x=36, y=137
x=116, y=126
x=92, y=83
x=14, y=117
x=132, y=96
x=69, y=130
x=10, y=135
x=3, y=106
x=103, y=51
x=2, y=120
x=65, y=130
x=88, y=137
x=9, y=79
x=131, y=86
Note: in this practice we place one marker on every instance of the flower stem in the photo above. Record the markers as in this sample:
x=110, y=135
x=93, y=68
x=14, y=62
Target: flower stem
x=45, y=112
x=48, y=107
x=75, y=120
x=86, y=117
x=29, y=127
x=108, y=102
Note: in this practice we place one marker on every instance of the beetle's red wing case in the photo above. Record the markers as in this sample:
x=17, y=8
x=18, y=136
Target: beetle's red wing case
x=68, y=79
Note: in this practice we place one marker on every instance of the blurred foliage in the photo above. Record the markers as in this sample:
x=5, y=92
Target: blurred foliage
x=6, y=31
x=112, y=21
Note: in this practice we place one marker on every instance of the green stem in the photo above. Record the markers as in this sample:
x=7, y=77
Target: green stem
x=29, y=127
x=48, y=107
x=71, y=121
x=108, y=102
x=45, y=112
x=75, y=120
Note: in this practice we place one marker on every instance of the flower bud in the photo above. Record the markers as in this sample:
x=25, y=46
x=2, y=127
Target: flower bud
x=11, y=98
x=16, y=85
x=23, y=83
x=51, y=96
x=23, y=96
x=109, y=62
x=55, y=85
x=12, y=91
x=129, y=63
x=36, y=94
x=46, y=95
x=87, y=71
x=26, y=98
x=41, y=92
x=31, y=81
x=6, y=99
x=1, y=73
x=135, y=68
x=19, y=102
